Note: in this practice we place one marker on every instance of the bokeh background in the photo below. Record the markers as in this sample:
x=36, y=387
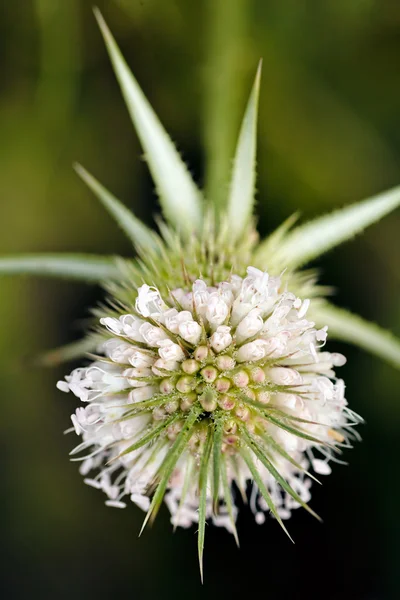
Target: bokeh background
x=329, y=134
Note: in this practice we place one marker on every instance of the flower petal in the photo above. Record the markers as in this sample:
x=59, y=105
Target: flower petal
x=242, y=188
x=83, y=267
x=343, y=325
x=179, y=196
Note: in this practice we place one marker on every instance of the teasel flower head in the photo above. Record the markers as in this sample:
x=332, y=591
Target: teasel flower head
x=217, y=383
x=207, y=371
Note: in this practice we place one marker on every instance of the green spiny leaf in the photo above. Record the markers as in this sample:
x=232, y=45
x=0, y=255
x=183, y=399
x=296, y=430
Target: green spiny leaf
x=228, y=498
x=68, y=352
x=185, y=487
x=151, y=435
x=266, y=410
x=238, y=479
x=82, y=267
x=217, y=458
x=169, y=463
x=345, y=326
x=140, y=235
x=258, y=451
x=297, y=432
x=263, y=490
x=272, y=243
x=278, y=448
x=133, y=409
x=242, y=188
x=203, y=482
x=313, y=239
x=179, y=196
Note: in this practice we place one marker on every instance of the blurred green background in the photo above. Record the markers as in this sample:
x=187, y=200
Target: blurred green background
x=329, y=134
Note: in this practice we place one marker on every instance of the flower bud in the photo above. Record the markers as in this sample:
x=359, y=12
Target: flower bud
x=162, y=365
x=232, y=440
x=171, y=406
x=185, y=384
x=283, y=376
x=249, y=326
x=230, y=427
x=187, y=401
x=142, y=393
x=241, y=379
x=159, y=413
x=242, y=413
x=222, y=384
x=131, y=325
x=173, y=319
x=252, y=351
x=338, y=360
x=257, y=375
x=209, y=373
x=148, y=301
x=216, y=311
x=263, y=396
x=190, y=331
x=190, y=366
x=226, y=402
x=225, y=363
x=201, y=353
x=208, y=400
x=321, y=467
x=113, y=325
x=166, y=386
x=170, y=351
x=141, y=359
x=174, y=429
x=250, y=394
x=151, y=334
x=134, y=376
x=221, y=338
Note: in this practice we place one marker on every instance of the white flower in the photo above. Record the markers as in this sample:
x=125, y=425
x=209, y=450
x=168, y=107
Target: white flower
x=217, y=310
x=249, y=326
x=170, y=351
x=276, y=396
x=190, y=331
x=148, y=302
x=152, y=335
x=221, y=338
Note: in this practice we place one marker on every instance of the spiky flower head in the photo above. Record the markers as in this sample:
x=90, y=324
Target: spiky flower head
x=208, y=362
x=216, y=383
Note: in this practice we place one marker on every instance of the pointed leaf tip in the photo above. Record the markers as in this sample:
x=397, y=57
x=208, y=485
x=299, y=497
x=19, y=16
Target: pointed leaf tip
x=68, y=352
x=179, y=196
x=242, y=187
x=203, y=483
x=137, y=232
x=316, y=237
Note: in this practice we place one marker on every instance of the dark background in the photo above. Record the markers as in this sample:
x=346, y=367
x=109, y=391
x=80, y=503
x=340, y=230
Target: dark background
x=329, y=134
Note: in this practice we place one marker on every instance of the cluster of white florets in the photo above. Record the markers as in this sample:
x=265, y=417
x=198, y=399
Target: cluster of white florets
x=243, y=352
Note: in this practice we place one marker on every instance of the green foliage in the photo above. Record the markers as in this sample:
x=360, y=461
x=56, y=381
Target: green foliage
x=82, y=267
